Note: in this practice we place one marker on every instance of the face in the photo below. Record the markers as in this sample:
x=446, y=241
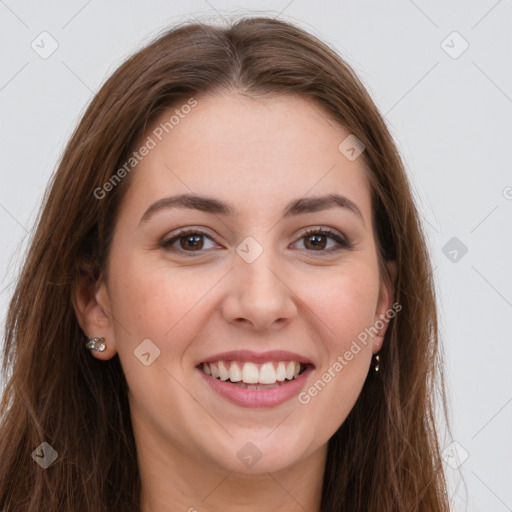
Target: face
x=234, y=316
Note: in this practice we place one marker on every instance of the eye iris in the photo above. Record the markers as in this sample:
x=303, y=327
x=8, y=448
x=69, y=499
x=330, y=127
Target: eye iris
x=317, y=241
x=193, y=242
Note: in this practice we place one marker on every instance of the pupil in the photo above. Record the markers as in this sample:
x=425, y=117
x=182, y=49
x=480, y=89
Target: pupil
x=317, y=241
x=193, y=241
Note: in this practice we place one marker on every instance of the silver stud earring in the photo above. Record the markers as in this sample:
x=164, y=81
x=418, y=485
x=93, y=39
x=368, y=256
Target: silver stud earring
x=96, y=345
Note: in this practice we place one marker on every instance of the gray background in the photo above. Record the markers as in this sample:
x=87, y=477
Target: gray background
x=450, y=113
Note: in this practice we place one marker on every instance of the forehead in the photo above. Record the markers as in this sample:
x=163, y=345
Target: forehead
x=258, y=152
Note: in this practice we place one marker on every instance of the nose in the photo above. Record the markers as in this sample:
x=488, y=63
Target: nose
x=259, y=297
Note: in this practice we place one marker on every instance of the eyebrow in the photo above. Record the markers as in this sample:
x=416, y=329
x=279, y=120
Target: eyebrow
x=210, y=205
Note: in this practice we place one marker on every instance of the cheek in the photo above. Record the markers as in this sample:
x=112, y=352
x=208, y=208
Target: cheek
x=344, y=306
x=345, y=302
x=152, y=301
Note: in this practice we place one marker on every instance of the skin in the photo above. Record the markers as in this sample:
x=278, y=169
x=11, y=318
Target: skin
x=257, y=155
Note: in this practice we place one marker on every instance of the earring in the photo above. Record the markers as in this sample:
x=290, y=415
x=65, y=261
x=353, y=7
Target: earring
x=96, y=344
x=376, y=362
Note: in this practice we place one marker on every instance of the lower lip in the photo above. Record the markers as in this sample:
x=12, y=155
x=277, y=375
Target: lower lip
x=258, y=397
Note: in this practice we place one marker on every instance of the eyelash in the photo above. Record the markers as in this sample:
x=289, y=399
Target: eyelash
x=343, y=244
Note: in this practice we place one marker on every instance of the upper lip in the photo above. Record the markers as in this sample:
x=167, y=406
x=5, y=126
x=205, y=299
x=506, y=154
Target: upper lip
x=257, y=357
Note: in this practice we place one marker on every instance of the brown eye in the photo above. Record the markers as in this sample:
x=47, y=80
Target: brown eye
x=188, y=241
x=324, y=241
x=316, y=241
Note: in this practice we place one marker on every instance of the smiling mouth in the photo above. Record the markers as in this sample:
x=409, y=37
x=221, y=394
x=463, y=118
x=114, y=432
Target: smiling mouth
x=249, y=375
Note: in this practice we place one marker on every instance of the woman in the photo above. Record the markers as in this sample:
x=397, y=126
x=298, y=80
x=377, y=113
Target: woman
x=228, y=301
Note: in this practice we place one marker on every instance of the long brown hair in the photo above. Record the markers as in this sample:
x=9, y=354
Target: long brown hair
x=384, y=457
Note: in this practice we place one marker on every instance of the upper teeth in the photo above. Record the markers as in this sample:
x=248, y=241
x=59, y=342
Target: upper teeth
x=252, y=373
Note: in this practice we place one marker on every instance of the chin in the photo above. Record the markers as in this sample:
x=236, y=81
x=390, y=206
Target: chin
x=260, y=452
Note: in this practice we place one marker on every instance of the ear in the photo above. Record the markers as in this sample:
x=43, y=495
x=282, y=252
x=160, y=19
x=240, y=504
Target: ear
x=92, y=310
x=384, y=304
